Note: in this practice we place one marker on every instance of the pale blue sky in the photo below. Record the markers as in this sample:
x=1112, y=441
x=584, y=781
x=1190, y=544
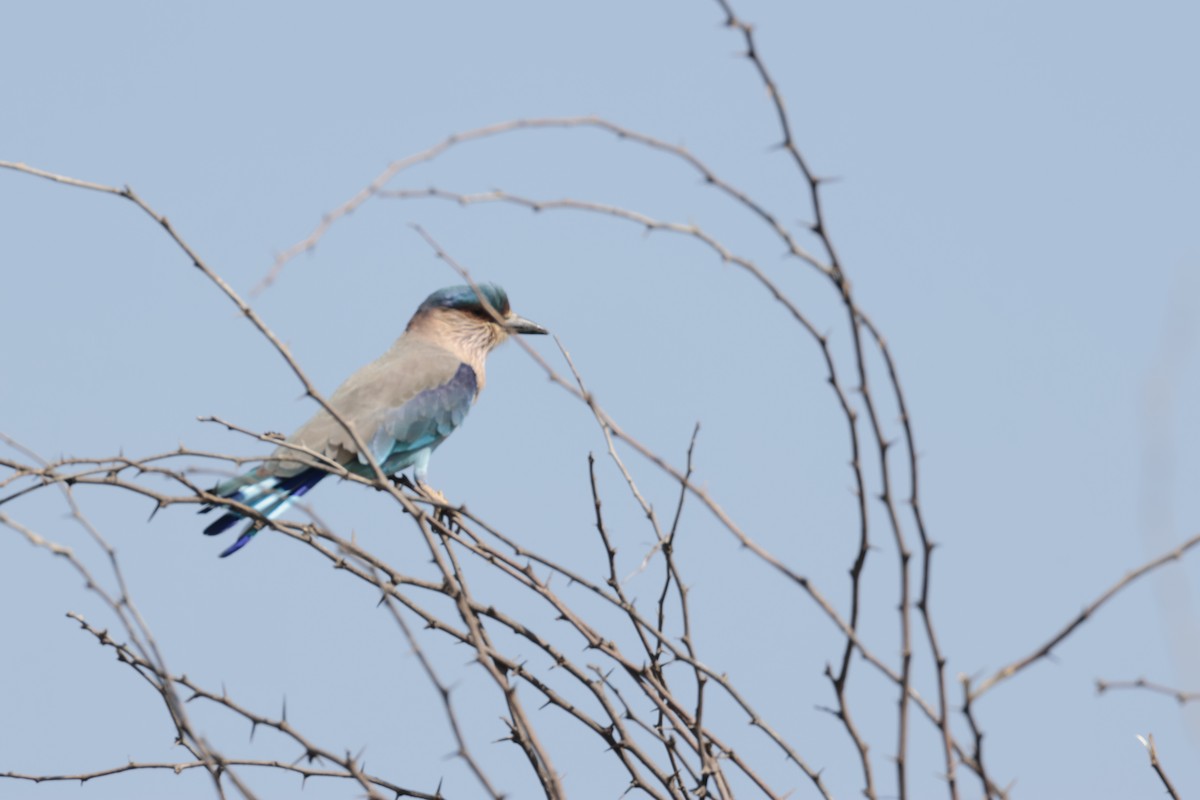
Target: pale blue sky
x=1016, y=201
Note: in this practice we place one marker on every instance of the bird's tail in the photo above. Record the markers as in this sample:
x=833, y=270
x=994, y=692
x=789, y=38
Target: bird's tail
x=269, y=495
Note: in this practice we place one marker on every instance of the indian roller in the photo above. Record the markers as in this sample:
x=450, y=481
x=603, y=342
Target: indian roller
x=402, y=405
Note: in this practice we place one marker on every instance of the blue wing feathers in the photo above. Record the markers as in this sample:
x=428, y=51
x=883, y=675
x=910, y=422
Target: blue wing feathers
x=424, y=421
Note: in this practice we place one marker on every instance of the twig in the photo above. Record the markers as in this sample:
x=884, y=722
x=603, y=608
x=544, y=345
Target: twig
x=1180, y=696
x=1148, y=743
x=1044, y=650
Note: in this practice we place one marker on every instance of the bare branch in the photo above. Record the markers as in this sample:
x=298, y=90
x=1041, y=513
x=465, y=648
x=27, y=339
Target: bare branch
x=1148, y=743
x=1044, y=650
x=1180, y=696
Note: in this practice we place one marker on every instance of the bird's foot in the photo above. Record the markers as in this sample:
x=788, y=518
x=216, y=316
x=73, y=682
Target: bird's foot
x=445, y=512
x=433, y=495
x=401, y=481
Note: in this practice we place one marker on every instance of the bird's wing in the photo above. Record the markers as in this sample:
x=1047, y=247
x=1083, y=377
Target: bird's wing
x=425, y=420
x=410, y=398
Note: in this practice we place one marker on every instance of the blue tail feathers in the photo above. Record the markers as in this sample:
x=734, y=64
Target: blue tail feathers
x=270, y=496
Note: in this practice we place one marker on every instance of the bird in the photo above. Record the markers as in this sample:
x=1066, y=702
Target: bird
x=402, y=405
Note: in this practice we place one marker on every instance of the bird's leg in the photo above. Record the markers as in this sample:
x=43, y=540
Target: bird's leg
x=442, y=508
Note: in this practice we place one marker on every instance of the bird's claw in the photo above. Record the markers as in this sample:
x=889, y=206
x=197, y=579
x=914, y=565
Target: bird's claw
x=442, y=509
x=401, y=481
x=446, y=513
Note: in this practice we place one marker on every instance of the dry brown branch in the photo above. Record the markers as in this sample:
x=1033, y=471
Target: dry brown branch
x=857, y=318
x=144, y=646
x=309, y=751
x=376, y=186
x=185, y=766
x=463, y=751
x=927, y=547
x=883, y=443
x=977, y=765
x=523, y=732
x=886, y=496
x=142, y=655
x=343, y=548
x=671, y=577
x=1180, y=696
x=1148, y=743
x=388, y=581
x=1090, y=609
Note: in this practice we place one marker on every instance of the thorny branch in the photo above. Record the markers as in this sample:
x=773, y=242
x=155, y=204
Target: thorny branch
x=1180, y=696
x=1043, y=651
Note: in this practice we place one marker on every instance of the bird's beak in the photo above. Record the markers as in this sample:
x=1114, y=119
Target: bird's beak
x=517, y=324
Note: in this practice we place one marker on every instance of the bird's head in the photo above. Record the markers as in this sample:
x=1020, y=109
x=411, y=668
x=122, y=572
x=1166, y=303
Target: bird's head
x=458, y=313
